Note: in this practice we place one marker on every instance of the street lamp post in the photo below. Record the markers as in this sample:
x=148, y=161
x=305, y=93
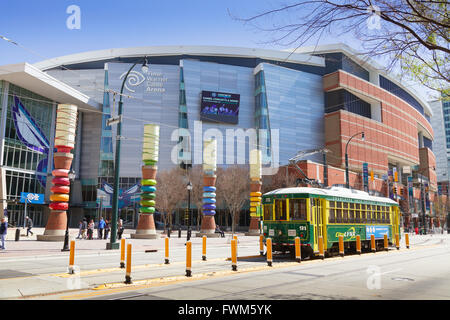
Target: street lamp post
x=71, y=177
x=113, y=244
x=189, y=188
x=347, y=179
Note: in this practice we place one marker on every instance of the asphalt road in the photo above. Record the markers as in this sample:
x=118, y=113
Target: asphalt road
x=422, y=272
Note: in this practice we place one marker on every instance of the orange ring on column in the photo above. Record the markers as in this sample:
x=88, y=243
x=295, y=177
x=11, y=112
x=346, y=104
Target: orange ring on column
x=59, y=206
x=60, y=173
x=60, y=189
x=58, y=197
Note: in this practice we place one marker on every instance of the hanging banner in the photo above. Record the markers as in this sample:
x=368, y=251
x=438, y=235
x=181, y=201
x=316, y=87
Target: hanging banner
x=410, y=187
x=366, y=176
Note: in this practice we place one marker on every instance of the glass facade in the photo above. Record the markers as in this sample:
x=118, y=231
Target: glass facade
x=402, y=94
x=106, y=164
x=21, y=151
x=339, y=61
x=28, y=128
x=295, y=103
x=262, y=117
x=344, y=100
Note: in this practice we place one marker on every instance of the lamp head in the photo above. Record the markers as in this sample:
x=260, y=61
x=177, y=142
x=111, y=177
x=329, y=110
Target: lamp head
x=189, y=186
x=72, y=175
x=145, y=66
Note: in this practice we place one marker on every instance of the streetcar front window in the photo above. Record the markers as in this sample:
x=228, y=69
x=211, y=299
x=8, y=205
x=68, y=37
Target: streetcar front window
x=297, y=209
x=280, y=210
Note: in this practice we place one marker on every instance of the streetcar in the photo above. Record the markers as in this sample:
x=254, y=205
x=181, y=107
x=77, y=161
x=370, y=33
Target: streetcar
x=309, y=213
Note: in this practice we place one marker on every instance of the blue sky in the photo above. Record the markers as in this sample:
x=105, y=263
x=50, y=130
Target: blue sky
x=40, y=25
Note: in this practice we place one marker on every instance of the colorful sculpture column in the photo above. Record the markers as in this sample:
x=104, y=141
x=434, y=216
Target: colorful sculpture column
x=209, y=190
x=255, y=192
x=146, y=225
x=66, y=121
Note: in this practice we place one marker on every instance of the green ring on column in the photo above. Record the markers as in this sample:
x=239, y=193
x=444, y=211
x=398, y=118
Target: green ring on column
x=148, y=203
x=148, y=196
x=148, y=182
x=147, y=209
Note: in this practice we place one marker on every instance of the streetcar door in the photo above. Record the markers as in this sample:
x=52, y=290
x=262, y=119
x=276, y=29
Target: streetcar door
x=395, y=221
x=317, y=211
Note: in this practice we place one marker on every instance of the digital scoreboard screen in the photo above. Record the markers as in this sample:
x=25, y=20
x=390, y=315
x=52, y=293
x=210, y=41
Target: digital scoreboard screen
x=220, y=107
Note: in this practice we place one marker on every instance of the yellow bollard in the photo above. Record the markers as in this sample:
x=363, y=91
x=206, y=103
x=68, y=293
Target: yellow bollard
x=188, y=259
x=397, y=241
x=269, y=251
x=234, y=255
x=407, y=240
x=204, y=249
x=261, y=245
x=72, y=257
x=122, y=253
x=128, y=270
x=386, y=243
x=321, y=253
x=298, y=250
x=341, y=246
x=358, y=244
x=167, y=252
x=372, y=243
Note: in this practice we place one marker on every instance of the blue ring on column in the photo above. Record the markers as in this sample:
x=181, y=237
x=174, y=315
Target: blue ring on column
x=148, y=189
x=209, y=206
x=209, y=195
x=209, y=212
x=209, y=200
x=209, y=189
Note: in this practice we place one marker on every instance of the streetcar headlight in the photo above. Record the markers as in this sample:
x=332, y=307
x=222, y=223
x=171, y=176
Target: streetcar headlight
x=280, y=232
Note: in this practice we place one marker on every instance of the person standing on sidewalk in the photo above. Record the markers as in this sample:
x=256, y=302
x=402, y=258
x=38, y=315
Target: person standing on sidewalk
x=3, y=232
x=119, y=228
x=90, y=230
x=107, y=228
x=29, y=226
x=101, y=226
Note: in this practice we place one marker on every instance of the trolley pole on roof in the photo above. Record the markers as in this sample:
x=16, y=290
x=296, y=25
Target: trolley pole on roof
x=302, y=154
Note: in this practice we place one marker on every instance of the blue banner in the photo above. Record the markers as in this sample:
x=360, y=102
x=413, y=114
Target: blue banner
x=35, y=198
x=366, y=175
x=377, y=231
x=410, y=187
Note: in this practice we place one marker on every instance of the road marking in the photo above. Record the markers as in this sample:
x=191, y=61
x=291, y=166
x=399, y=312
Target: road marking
x=96, y=271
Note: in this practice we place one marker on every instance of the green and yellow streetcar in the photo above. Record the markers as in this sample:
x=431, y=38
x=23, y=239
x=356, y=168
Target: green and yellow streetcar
x=310, y=213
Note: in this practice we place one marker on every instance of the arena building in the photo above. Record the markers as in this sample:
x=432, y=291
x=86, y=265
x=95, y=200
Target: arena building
x=279, y=101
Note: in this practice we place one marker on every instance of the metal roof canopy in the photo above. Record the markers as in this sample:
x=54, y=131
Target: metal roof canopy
x=31, y=78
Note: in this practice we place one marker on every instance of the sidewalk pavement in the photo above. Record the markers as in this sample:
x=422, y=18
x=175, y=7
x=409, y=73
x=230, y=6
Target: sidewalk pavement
x=29, y=247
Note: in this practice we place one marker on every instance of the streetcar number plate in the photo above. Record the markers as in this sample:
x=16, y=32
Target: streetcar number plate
x=271, y=232
x=292, y=233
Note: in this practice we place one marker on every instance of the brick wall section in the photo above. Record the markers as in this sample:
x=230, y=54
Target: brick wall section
x=394, y=138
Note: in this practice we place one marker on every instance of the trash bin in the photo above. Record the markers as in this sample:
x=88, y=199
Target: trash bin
x=17, y=234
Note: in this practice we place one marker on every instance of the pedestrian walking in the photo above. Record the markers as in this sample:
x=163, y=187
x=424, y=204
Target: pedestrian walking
x=107, y=228
x=90, y=230
x=84, y=228
x=29, y=225
x=120, y=228
x=80, y=228
x=101, y=227
x=3, y=232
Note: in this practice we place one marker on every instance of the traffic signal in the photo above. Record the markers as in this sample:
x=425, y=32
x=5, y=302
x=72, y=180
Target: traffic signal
x=395, y=190
x=402, y=191
x=371, y=175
